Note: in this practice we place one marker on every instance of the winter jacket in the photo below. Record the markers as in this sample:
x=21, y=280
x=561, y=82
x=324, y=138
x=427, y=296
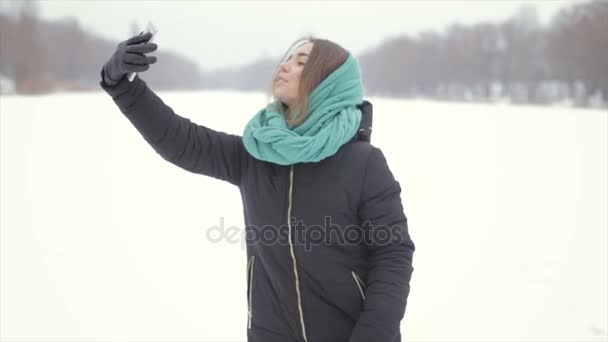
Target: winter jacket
x=301, y=285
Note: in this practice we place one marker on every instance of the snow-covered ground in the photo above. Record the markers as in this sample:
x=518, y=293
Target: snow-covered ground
x=102, y=239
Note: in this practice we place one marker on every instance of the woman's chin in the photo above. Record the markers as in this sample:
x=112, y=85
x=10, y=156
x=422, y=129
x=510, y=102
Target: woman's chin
x=279, y=97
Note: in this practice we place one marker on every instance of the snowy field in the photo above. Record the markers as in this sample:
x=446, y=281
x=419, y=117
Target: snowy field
x=102, y=239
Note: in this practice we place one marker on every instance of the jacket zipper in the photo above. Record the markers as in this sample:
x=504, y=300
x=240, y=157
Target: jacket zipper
x=293, y=256
x=359, y=282
x=249, y=307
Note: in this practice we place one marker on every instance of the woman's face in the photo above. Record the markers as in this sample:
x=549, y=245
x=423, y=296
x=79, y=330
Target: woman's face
x=287, y=79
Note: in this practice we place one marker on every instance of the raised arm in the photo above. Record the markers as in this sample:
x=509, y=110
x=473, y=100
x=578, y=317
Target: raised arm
x=390, y=262
x=193, y=147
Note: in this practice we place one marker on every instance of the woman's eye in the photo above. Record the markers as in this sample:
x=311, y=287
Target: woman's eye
x=300, y=63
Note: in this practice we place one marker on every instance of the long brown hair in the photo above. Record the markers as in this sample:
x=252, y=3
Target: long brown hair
x=325, y=57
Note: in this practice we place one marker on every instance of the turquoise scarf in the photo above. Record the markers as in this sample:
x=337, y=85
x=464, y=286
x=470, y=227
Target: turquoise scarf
x=332, y=121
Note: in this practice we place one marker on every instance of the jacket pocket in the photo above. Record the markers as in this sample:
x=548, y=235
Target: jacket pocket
x=250, y=265
x=360, y=284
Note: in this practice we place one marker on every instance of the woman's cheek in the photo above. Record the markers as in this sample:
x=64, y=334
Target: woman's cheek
x=293, y=87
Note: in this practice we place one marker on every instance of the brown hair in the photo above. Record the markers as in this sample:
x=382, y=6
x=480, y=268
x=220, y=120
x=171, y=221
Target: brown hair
x=325, y=57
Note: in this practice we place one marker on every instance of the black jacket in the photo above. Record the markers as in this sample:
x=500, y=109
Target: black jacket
x=330, y=273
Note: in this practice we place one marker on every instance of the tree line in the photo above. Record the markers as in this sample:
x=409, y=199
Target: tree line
x=516, y=60
x=41, y=56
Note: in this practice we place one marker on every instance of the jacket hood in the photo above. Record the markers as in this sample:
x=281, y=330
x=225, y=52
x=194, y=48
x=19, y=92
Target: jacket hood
x=365, y=127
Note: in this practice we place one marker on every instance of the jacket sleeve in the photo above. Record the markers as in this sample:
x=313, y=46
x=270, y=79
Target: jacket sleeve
x=193, y=147
x=389, y=255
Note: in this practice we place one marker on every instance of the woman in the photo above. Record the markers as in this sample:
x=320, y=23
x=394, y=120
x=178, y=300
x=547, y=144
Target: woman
x=339, y=262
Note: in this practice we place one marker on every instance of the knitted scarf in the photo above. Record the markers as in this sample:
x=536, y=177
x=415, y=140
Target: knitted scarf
x=332, y=120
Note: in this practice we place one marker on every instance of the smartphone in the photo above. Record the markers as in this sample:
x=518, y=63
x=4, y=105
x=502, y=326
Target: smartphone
x=149, y=28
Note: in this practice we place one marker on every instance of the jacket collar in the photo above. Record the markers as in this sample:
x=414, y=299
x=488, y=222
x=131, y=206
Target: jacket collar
x=364, y=132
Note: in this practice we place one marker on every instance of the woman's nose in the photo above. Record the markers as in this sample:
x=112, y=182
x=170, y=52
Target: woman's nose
x=284, y=66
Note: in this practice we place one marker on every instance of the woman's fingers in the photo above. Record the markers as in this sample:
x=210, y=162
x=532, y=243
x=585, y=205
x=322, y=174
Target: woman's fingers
x=142, y=48
x=139, y=59
x=139, y=38
x=136, y=67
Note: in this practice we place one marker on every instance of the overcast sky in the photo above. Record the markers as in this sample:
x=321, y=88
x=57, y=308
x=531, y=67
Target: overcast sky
x=217, y=34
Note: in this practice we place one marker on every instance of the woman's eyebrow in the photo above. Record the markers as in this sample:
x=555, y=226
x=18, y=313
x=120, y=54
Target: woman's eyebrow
x=299, y=54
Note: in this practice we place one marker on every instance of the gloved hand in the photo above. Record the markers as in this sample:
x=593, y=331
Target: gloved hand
x=129, y=57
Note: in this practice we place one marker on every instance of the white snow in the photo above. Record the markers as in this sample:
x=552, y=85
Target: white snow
x=102, y=239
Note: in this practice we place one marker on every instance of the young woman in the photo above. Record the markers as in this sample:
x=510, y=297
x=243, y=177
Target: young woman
x=339, y=263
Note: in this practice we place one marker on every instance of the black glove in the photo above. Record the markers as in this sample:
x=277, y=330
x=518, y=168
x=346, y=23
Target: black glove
x=129, y=57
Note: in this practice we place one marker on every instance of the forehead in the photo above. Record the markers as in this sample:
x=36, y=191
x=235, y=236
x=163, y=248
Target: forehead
x=302, y=48
x=305, y=48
